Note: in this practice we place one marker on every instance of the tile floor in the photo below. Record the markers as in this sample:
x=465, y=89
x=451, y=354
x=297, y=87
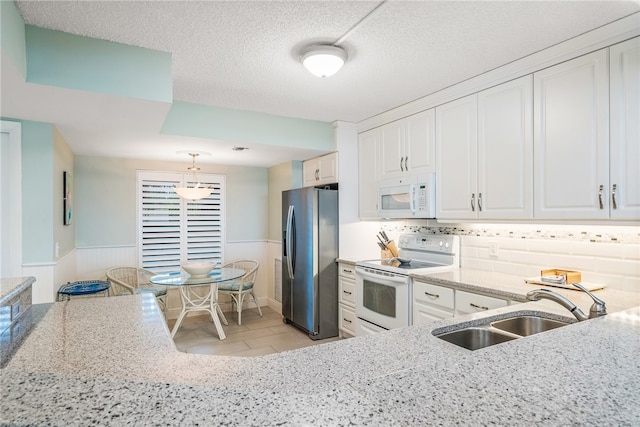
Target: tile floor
x=256, y=337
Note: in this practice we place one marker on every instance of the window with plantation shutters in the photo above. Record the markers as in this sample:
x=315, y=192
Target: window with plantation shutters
x=171, y=230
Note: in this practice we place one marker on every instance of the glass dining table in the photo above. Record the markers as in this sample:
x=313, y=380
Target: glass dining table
x=199, y=293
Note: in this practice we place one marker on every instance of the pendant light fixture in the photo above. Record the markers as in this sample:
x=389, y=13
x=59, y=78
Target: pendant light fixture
x=194, y=193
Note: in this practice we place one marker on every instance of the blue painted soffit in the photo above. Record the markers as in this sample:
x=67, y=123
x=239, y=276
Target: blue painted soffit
x=205, y=121
x=60, y=59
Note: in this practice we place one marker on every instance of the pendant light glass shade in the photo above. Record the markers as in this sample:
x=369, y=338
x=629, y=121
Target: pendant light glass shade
x=323, y=60
x=193, y=193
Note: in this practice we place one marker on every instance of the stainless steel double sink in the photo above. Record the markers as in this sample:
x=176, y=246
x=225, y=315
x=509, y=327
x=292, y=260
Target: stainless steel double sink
x=498, y=331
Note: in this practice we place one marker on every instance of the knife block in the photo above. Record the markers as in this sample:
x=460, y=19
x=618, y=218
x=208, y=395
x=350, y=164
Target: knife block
x=393, y=248
x=386, y=254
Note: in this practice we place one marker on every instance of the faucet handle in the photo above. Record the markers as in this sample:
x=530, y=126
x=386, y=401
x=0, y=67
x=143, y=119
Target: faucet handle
x=598, y=308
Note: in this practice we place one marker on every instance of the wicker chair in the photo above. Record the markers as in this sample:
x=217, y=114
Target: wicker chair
x=132, y=280
x=239, y=288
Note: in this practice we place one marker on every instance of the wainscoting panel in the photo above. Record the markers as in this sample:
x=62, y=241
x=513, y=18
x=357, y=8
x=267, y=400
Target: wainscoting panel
x=93, y=263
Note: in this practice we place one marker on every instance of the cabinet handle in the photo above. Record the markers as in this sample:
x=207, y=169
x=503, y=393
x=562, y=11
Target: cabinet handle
x=406, y=166
x=347, y=292
x=344, y=270
x=473, y=202
x=401, y=167
x=478, y=306
x=479, y=202
x=432, y=295
x=346, y=320
x=600, y=196
x=317, y=174
x=613, y=196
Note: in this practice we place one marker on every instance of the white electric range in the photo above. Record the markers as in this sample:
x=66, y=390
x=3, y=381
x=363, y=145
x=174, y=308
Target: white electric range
x=383, y=286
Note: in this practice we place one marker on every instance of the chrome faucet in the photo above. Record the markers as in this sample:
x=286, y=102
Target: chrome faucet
x=597, y=309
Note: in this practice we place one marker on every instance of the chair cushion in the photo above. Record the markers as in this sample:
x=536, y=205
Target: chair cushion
x=158, y=291
x=233, y=286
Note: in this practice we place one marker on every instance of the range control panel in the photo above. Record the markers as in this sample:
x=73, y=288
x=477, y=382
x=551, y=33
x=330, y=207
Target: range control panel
x=443, y=243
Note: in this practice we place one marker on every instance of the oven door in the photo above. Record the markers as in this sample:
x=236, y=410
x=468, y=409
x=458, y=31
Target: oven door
x=383, y=298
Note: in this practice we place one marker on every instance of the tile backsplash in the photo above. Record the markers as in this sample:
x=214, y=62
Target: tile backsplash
x=608, y=255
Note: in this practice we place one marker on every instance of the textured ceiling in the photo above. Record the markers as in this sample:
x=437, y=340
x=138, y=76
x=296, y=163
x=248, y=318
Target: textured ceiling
x=244, y=54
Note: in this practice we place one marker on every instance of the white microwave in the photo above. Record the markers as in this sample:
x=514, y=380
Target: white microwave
x=410, y=197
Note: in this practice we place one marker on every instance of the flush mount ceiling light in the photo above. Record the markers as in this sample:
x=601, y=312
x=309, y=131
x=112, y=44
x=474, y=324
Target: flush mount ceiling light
x=199, y=191
x=323, y=60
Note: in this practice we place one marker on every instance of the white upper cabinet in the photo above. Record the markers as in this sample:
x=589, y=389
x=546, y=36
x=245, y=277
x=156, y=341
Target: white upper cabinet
x=571, y=139
x=484, y=148
x=505, y=151
x=407, y=146
x=456, y=151
x=625, y=130
x=368, y=174
x=320, y=170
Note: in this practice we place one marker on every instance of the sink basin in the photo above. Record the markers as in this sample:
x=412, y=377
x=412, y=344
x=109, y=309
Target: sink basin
x=475, y=338
x=492, y=332
x=527, y=325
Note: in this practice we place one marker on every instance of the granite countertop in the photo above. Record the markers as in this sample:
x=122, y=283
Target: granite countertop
x=110, y=361
x=11, y=286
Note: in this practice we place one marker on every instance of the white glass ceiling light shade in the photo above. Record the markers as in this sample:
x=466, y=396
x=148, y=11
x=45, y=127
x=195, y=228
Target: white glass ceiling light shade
x=323, y=60
x=194, y=193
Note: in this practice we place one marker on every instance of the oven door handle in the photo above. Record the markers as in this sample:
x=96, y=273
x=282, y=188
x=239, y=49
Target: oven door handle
x=391, y=280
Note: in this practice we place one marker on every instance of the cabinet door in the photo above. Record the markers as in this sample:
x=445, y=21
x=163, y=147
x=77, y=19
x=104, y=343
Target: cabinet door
x=571, y=139
x=420, y=144
x=456, y=160
x=505, y=150
x=310, y=172
x=392, y=162
x=368, y=175
x=625, y=130
x=328, y=169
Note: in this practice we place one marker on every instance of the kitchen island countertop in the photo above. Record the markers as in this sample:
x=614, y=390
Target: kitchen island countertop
x=110, y=361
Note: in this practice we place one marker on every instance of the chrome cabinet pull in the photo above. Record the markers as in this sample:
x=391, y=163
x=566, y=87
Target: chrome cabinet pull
x=473, y=202
x=346, y=292
x=613, y=196
x=479, y=202
x=346, y=320
x=406, y=166
x=432, y=295
x=600, y=196
x=401, y=167
x=478, y=306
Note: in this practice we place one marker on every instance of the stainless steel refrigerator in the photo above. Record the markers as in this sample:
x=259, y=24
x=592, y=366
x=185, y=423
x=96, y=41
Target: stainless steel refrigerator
x=309, y=267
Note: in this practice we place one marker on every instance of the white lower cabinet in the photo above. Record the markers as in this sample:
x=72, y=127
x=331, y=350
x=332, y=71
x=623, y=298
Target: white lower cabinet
x=468, y=303
x=433, y=302
x=347, y=320
x=346, y=303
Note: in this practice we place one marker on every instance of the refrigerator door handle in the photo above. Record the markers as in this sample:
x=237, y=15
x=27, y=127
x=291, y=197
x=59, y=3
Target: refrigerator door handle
x=288, y=243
